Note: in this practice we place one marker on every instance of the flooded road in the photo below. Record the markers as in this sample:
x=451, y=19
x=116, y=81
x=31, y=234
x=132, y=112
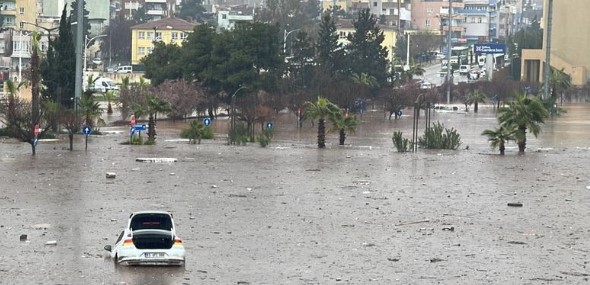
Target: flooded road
x=293, y=214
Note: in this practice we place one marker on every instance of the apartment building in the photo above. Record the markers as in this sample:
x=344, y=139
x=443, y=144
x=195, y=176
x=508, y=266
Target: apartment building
x=569, y=44
x=344, y=27
x=167, y=30
x=477, y=22
x=155, y=9
x=390, y=12
x=433, y=16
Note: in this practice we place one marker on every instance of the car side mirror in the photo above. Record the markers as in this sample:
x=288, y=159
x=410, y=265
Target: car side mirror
x=108, y=247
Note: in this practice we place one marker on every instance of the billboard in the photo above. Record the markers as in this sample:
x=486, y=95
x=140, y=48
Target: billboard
x=489, y=48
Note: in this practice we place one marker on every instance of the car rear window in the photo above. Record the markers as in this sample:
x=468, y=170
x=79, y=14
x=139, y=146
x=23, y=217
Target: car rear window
x=151, y=221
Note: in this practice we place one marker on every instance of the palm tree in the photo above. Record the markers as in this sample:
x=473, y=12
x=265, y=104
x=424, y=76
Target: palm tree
x=523, y=113
x=500, y=136
x=368, y=81
x=91, y=110
x=155, y=105
x=414, y=70
x=344, y=124
x=322, y=109
x=124, y=93
x=12, y=89
x=475, y=98
x=560, y=82
x=109, y=96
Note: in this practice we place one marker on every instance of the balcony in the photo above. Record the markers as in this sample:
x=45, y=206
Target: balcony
x=7, y=11
x=155, y=1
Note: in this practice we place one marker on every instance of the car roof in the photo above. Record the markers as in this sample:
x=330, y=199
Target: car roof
x=150, y=212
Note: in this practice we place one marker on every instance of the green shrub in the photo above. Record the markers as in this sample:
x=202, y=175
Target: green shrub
x=196, y=132
x=437, y=137
x=239, y=136
x=401, y=144
x=5, y=132
x=135, y=140
x=265, y=138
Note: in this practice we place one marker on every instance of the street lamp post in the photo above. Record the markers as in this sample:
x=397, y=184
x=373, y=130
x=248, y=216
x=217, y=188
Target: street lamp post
x=449, y=66
x=232, y=139
x=285, y=35
x=87, y=43
x=48, y=30
x=21, y=50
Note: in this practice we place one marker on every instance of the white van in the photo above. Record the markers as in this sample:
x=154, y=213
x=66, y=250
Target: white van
x=103, y=84
x=124, y=69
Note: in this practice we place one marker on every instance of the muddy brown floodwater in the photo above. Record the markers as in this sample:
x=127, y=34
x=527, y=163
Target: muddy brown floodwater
x=294, y=214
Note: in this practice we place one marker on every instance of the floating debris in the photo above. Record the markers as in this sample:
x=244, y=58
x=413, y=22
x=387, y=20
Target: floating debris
x=156, y=159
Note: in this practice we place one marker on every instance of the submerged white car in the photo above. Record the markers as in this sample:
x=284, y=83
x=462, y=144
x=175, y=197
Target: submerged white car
x=149, y=239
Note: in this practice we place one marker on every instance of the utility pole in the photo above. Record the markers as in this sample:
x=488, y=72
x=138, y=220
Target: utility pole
x=78, y=46
x=547, y=69
x=449, y=66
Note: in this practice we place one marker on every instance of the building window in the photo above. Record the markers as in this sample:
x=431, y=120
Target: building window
x=150, y=49
x=374, y=4
x=342, y=35
x=429, y=10
x=149, y=35
x=174, y=35
x=141, y=50
x=21, y=10
x=183, y=35
x=158, y=36
x=428, y=23
x=224, y=16
x=479, y=20
x=141, y=35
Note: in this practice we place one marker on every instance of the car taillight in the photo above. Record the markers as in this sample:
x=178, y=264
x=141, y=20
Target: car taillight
x=128, y=242
x=177, y=241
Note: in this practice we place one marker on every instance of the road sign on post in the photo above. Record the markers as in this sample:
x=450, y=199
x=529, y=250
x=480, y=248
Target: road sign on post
x=207, y=122
x=86, y=131
x=139, y=128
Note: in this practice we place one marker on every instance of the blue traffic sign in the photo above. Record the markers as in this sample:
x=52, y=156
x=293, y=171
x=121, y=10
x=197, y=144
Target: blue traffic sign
x=139, y=128
x=269, y=125
x=207, y=121
x=86, y=130
x=489, y=48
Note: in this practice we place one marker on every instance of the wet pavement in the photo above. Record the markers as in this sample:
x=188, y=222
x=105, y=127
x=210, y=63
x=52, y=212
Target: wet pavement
x=293, y=214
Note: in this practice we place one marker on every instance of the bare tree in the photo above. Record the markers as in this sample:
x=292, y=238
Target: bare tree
x=183, y=97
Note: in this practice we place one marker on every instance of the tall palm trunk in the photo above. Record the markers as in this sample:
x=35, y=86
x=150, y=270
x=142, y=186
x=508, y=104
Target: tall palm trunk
x=522, y=139
x=321, y=133
x=342, y=136
x=502, y=147
x=151, y=127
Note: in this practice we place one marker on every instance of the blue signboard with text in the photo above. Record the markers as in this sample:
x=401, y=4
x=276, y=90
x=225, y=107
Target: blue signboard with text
x=489, y=48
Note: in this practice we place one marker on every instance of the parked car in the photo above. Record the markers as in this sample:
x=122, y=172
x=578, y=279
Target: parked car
x=103, y=84
x=426, y=85
x=473, y=74
x=463, y=69
x=124, y=69
x=149, y=239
